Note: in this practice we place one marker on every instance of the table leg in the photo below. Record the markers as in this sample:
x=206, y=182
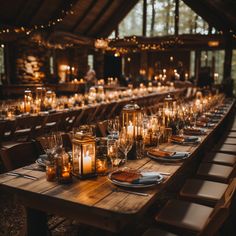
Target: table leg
x=36, y=222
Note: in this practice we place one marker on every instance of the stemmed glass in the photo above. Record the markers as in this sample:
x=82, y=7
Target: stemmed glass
x=49, y=145
x=125, y=142
x=113, y=126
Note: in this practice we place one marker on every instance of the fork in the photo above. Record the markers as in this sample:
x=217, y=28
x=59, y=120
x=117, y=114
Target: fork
x=22, y=175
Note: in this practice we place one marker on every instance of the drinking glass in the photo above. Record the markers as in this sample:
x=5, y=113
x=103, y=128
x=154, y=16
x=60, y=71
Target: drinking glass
x=125, y=142
x=113, y=126
x=49, y=145
x=112, y=149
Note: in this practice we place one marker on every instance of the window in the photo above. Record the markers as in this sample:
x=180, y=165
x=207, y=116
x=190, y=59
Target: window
x=160, y=17
x=2, y=68
x=233, y=72
x=190, y=22
x=132, y=24
x=51, y=65
x=161, y=20
x=207, y=60
x=90, y=61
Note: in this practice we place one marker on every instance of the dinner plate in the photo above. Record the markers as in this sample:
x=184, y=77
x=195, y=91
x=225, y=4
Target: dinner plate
x=130, y=185
x=170, y=158
x=42, y=160
x=198, y=140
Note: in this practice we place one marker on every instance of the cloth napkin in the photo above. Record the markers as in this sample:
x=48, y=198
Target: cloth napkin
x=160, y=153
x=148, y=178
x=194, y=131
x=186, y=139
x=171, y=156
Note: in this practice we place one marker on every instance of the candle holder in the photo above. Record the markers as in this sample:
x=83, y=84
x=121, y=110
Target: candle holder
x=64, y=174
x=84, y=155
x=50, y=172
x=28, y=98
x=132, y=121
x=132, y=118
x=169, y=109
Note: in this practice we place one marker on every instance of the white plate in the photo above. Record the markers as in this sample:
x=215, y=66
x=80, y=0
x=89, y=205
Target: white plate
x=168, y=159
x=129, y=185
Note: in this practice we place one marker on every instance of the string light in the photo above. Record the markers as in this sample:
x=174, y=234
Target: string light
x=134, y=44
x=48, y=25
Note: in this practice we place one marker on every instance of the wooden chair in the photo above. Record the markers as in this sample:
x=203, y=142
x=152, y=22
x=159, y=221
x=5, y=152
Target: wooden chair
x=52, y=122
x=225, y=148
x=187, y=218
x=153, y=231
x=202, y=191
x=231, y=141
x=215, y=172
x=227, y=159
x=18, y=155
x=88, y=112
x=27, y=128
x=79, y=118
x=7, y=129
x=69, y=120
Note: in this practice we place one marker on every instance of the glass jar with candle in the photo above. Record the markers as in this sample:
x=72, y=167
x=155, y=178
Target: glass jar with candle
x=50, y=172
x=132, y=119
x=169, y=109
x=84, y=155
x=28, y=99
x=64, y=174
x=101, y=156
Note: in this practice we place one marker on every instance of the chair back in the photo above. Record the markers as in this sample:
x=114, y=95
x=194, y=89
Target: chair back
x=18, y=155
x=69, y=120
x=7, y=129
x=27, y=127
x=221, y=211
x=52, y=122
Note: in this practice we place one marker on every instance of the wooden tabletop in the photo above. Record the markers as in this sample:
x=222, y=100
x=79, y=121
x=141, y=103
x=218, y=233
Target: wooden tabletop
x=94, y=201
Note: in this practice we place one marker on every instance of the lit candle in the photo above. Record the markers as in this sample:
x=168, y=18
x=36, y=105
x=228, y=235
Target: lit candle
x=87, y=163
x=130, y=129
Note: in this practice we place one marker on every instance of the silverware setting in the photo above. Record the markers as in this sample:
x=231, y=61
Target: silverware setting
x=22, y=175
x=34, y=168
x=131, y=192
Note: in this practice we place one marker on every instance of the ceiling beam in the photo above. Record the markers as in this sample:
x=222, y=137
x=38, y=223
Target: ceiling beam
x=206, y=13
x=224, y=11
x=98, y=18
x=83, y=16
x=34, y=13
x=120, y=13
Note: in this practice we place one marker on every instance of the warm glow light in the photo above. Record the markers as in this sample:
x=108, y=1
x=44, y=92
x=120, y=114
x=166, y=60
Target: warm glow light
x=213, y=43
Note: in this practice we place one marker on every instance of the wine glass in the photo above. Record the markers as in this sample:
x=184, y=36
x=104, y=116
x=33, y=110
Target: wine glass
x=58, y=141
x=125, y=142
x=49, y=145
x=113, y=126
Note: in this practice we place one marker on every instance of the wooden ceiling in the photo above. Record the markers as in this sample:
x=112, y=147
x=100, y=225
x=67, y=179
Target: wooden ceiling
x=98, y=18
x=220, y=14
x=91, y=18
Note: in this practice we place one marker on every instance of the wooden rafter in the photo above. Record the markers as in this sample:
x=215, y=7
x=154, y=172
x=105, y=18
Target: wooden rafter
x=97, y=19
x=83, y=16
x=120, y=13
x=207, y=13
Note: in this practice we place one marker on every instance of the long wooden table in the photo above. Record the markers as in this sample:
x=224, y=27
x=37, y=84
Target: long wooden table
x=94, y=202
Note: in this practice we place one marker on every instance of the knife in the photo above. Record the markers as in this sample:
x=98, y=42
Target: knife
x=22, y=175
x=131, y=192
